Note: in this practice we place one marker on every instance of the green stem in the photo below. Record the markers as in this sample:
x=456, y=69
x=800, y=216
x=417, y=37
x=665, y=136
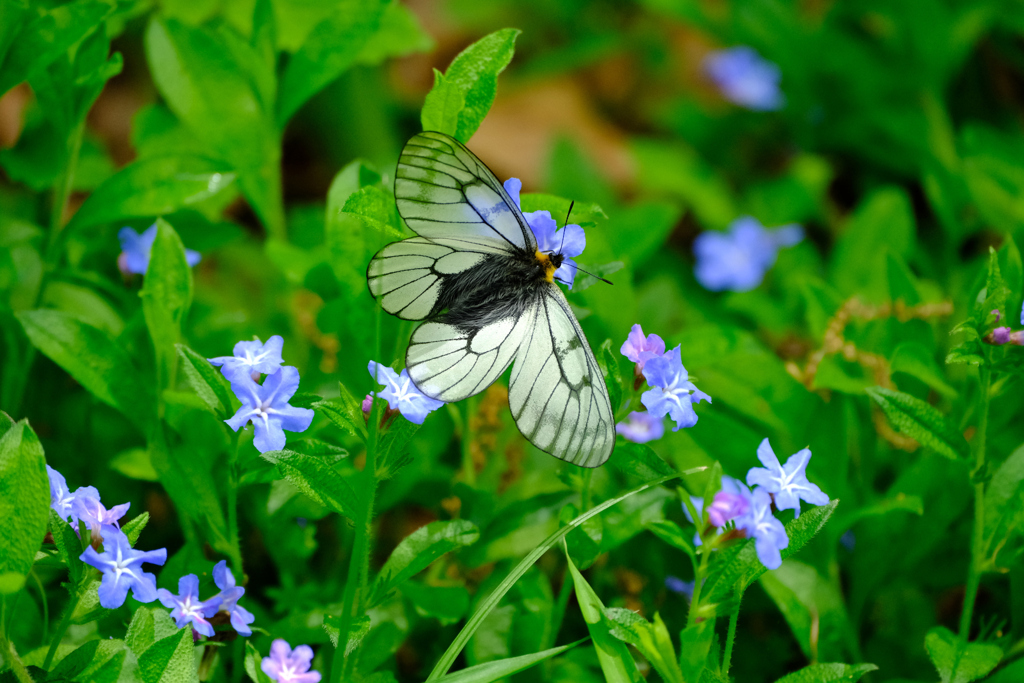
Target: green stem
x=236, y=546
x=65, y=620
x=468, y=467
x=45, y=603
x=698, y=580
x=730, y=636
x=977, y=536
x=585, y=491
x=18, y=666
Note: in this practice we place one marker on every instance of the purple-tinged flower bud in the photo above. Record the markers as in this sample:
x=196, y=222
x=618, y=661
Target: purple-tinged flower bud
x=727, y=506
x=367, y=406
x=1001, y=335
x=996, y=313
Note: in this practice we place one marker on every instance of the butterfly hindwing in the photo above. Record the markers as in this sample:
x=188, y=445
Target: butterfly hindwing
x=445, y=193
x=557, y=393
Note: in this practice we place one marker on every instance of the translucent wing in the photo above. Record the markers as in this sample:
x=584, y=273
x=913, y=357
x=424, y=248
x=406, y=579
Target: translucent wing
x=557, y=393
x=451, y=362
x=409, y=275
x=446, y=194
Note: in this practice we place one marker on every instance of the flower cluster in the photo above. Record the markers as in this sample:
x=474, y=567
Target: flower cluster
x=745, y=78
x=136, y=248
x=286, y=665
x=671, y=393
x=569, y=240
x=750, y=510
x=738, y=260
x=1006, y=335
x=187, y=608
x=401, y=394
x=120, y=564
x=265, y=405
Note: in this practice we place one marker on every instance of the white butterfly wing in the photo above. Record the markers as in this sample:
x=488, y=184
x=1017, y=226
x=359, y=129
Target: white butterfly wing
x=446, y=194
x=557, y=393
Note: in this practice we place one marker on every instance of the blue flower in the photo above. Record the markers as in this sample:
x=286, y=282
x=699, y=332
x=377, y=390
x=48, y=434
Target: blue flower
x=640, y=349
x=62, y=499
x=100, y=521
x=285, y=665
x=673, y=394
x=768, y=533
x=745, y=78
x=737, y=260
x=267, y=407
x=402, y=395
x=122, y=569
x=641, y=427
x=252, y=358
x=677, y=585
x=135, y=250
x=731, y=502
x=789, y=483
x=569, y=241
x=229, y=595
x=187, y=608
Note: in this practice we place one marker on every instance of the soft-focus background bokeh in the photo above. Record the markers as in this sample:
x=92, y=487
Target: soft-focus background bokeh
x=896, y=142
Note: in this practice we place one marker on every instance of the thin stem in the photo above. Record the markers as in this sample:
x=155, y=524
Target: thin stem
x=62, y=191
x=730, y=636
x=698, y=581
x=44, y=601
x=18, y=666
x=65, y=621
x=977, y=537
x=236, y=546
x=468, y=467
x=585, y=491
x=554, y=625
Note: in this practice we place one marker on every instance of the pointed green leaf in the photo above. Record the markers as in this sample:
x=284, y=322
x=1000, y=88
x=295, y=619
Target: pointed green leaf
x=419, y=549
x=922, y=422
x=166, y=297
x=170, y=660
x=69, y=546
x=957, y=661
x=316, y=477
x=829, y=673
x=207, y=381
x=489, y=672
x=651, y=639
x=98, y=661
x=24, y=498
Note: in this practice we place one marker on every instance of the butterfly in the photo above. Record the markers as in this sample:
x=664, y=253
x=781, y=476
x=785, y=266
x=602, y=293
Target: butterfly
x=487, y=295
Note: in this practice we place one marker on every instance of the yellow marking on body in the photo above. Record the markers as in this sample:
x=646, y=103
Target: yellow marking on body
x=549, y=267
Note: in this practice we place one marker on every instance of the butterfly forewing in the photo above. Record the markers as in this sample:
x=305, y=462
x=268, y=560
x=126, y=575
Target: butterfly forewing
x=472, y=273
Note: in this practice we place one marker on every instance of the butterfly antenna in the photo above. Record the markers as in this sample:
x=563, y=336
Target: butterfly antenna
x=593, y=275
x=565, y=225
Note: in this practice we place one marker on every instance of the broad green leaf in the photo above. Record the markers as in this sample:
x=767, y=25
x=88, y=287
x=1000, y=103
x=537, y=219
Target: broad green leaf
x=69, y=546
x=141, y=633
x=462, y=97
x=1004, y=506
x=252, y=664
x=957, y=661
x=882, y=223
x=812, y=606
x=202, y=82
x=11, y=583
x=170, y=660
x=330, y=49
x=914, y=359
x=608, y=360
x=47, y=37
x=671, y=533
x=207, y=381
x=98, y=661
x=398, y=35
x=738, y=566
x=487, y=604
x=651, y=639
x=694, y=645
x=166, y=297
x=419, y=549
x=829, y=673
x=24, y=498
x=922, y=422
x=489, y=672
x=93, y=359
x=640, y=461
x=317, y=478
x=612, y=654
x=133, y=529
x=135, y=463
x=153, y=187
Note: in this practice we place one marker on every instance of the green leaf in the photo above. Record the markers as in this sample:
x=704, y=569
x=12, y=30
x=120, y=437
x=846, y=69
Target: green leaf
x=922, y=422
x=252, y=664
x=461, y=98
x=399, y=34
x=345, y=412
x=98, y=661
x=170, y=660
x=882, y=223
x=651, y=639
x=608, y=360
x=694, y=645
x=1004, y=506
x=93, y=359
x=916, y=360
x=737, y=567
x=133, y=529
x=612, y=654
x=996, y=291
x=166, y=297
x=47, y=37
x=487, y=604
x=24, y=498
x=828, y=673
x=957, y=661
x=330, y=49
x=640, y=461
x=671, y=533
x=69, y=546
x=503, y=668
x=141, y=632
x=317, y=478
x=207, y=381
x=447, y=603
x=419, y=549
x=153, y=187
